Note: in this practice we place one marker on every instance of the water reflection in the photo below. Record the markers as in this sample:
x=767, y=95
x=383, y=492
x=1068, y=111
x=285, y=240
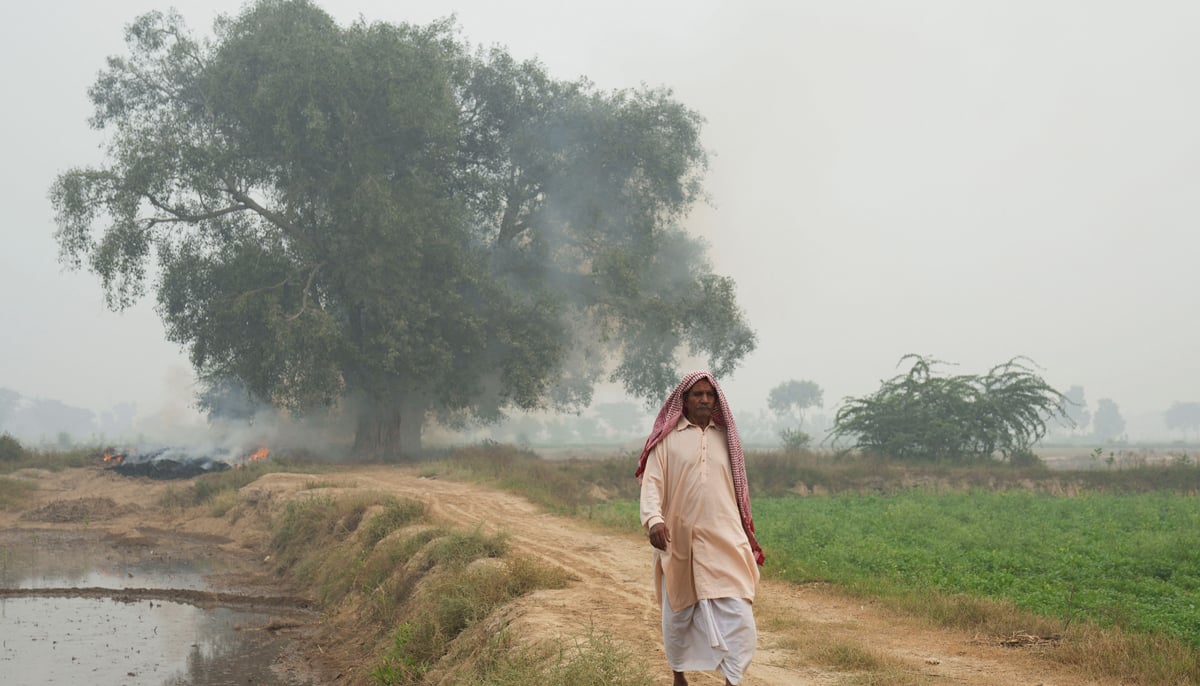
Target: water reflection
x=101, y=641
x=31, y=559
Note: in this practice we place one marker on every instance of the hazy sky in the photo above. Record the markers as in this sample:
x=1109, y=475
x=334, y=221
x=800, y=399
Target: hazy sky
x=968, y=180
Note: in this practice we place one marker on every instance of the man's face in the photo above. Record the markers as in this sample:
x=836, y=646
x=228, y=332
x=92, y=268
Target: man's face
x=699, y=402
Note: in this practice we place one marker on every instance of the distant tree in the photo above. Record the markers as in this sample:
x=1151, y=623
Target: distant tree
x=1075, y=409
x=227, y=398
x=560, y=432
x=10, y=448
x=1183, y=416
x=788, y=401
x=757, y=427
x=625, y=418
x=923, y=416
x=44, y=418
x=380, y=217
x=8, y=404
x=1108, y=424
x=525, y=430
x=118, y=420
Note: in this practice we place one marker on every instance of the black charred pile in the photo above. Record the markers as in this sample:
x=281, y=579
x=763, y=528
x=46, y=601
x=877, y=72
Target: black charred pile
x=167, y=463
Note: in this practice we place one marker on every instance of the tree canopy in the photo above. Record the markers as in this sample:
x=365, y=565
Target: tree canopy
x=380, y=214
x=921, y=415
x=789, y=400
x=1077, y=415
x=792, y=398
x=1107, y=423
x=1183, y=416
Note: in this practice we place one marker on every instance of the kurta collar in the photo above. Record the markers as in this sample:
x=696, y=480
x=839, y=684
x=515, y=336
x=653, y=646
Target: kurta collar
x=684, y=423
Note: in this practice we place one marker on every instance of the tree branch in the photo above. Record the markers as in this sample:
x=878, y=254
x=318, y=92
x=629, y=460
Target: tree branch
x=273, y=217
x=308, y=285
x=178, y=215
x=510, y=225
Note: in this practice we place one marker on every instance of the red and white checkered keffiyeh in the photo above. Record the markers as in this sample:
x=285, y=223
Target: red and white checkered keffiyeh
x=668, y=418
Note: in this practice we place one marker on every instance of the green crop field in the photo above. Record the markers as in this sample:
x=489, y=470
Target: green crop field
x=1129, y=560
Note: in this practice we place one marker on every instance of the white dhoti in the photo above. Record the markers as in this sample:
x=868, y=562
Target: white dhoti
x=713, y=633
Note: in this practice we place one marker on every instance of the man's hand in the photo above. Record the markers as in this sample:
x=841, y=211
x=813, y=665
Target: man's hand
x=660, y=536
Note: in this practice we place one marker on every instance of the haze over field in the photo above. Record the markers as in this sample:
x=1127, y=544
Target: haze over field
x=969, y=181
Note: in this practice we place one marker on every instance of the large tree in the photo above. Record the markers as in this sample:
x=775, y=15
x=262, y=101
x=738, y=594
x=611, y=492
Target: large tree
x=379, y=218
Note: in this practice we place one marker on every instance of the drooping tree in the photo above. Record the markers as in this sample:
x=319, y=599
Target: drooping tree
x=377, y=217
x=922, y=415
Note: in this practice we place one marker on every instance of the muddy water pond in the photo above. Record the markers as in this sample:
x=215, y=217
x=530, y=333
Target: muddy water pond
x=77, y=608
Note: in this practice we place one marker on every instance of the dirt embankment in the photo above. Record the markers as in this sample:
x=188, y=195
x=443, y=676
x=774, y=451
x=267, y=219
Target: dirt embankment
x=799, y=626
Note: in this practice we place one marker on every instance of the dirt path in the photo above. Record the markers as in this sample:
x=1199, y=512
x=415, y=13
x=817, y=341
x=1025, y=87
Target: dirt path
x=797, y=625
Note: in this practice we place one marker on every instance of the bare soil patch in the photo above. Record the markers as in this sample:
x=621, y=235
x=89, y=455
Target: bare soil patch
x=799, y=625
x=79, y=511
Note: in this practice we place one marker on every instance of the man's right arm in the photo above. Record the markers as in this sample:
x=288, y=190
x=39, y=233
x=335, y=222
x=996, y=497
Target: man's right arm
x=652, y=499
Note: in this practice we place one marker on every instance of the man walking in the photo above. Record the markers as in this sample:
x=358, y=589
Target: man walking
x=695, y=507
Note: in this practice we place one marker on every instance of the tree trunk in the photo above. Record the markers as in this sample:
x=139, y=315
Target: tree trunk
x=390, y=430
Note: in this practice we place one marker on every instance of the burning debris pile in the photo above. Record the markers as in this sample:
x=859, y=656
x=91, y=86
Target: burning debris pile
x=178, y=463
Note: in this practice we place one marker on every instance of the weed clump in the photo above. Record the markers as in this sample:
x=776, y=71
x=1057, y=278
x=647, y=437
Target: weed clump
x=10, y=448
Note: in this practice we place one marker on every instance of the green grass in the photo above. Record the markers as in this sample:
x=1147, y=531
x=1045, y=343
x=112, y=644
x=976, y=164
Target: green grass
x=1117, y=560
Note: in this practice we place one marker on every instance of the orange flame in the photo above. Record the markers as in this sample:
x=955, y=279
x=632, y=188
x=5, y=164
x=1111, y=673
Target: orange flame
x=260, y=454
x=113, y=458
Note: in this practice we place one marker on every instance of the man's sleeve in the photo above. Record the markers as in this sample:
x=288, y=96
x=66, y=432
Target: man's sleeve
x=653, y=488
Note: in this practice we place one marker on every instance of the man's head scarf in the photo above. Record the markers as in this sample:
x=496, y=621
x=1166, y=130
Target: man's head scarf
x=668, y=418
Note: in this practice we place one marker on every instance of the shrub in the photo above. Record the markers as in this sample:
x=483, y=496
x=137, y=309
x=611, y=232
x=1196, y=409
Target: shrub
x=920, y=415
x=10, y=449
x=794, y=439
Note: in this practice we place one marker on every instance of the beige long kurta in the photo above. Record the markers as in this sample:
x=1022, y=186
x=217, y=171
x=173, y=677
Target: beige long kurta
x=688, y=486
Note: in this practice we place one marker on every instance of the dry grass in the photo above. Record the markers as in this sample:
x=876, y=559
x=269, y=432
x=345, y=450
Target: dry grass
x=1136, y=659
x=420, y=589
x=50, y=460
x=596, y=659
x=891, y=677
x=975, y=615
x=14, y=491
x=223, y=503
x=1093, y=651
x=820, y=644
x=561, y=486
